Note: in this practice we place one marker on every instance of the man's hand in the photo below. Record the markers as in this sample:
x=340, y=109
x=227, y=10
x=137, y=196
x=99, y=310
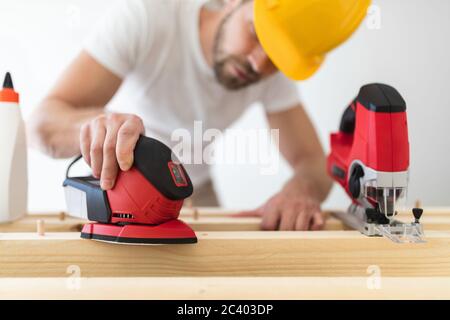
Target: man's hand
x=289, y=210
x=107, y=143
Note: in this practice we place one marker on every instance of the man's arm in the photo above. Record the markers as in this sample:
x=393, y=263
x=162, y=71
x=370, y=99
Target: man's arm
x=80, y=94
x=300, y=145
x=297, y=205
x=71, y=120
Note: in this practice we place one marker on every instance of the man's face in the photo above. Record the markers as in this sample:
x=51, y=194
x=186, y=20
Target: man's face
x=239, y=59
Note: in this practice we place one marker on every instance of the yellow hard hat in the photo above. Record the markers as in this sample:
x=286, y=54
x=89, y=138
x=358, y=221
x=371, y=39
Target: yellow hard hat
x=297, y=34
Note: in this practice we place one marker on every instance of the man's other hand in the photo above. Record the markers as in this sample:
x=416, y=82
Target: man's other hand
x=289, y=211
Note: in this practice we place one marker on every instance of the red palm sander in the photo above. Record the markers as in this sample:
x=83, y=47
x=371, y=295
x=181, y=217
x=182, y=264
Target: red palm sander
x=144, y=205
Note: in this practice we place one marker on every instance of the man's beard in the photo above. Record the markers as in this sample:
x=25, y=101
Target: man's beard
x=223, y=63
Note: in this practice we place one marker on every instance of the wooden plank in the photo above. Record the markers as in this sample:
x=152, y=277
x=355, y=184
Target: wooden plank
x=431, y=223
x=249, y=224
x=326, y=253
x=226, y=212
x=225, y=288
x=205, y=223
x=54, y=224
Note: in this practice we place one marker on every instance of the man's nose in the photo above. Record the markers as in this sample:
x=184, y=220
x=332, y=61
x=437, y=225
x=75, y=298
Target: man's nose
x=259, y=61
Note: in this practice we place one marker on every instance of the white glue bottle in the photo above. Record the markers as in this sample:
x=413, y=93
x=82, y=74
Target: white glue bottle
x=13, y=155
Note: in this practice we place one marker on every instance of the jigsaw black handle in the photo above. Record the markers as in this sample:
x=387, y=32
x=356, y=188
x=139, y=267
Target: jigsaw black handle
x=376, y=97
x=348, y=120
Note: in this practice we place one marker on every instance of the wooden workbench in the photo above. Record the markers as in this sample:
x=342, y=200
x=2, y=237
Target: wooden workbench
x=232, y=260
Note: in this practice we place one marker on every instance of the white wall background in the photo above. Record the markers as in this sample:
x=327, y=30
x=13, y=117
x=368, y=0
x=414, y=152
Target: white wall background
x=410, y=51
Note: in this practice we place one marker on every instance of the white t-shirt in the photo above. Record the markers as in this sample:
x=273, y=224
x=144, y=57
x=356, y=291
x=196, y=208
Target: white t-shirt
x=154, y=45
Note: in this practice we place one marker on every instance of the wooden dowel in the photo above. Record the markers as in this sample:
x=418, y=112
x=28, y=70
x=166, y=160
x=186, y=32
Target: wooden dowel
x=40, y=227
x=418, y=204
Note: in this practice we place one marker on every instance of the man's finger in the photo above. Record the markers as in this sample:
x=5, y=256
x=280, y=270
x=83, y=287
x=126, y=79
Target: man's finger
x=288, y=219
x=110, y=166
x=247, y=214
x=303, y=219
x=127, y=138
x=96, y=153
x=318, y=221
x=85, y=143
x=271, y=218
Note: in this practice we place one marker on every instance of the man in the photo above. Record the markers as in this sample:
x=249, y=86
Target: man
x=178, y=61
